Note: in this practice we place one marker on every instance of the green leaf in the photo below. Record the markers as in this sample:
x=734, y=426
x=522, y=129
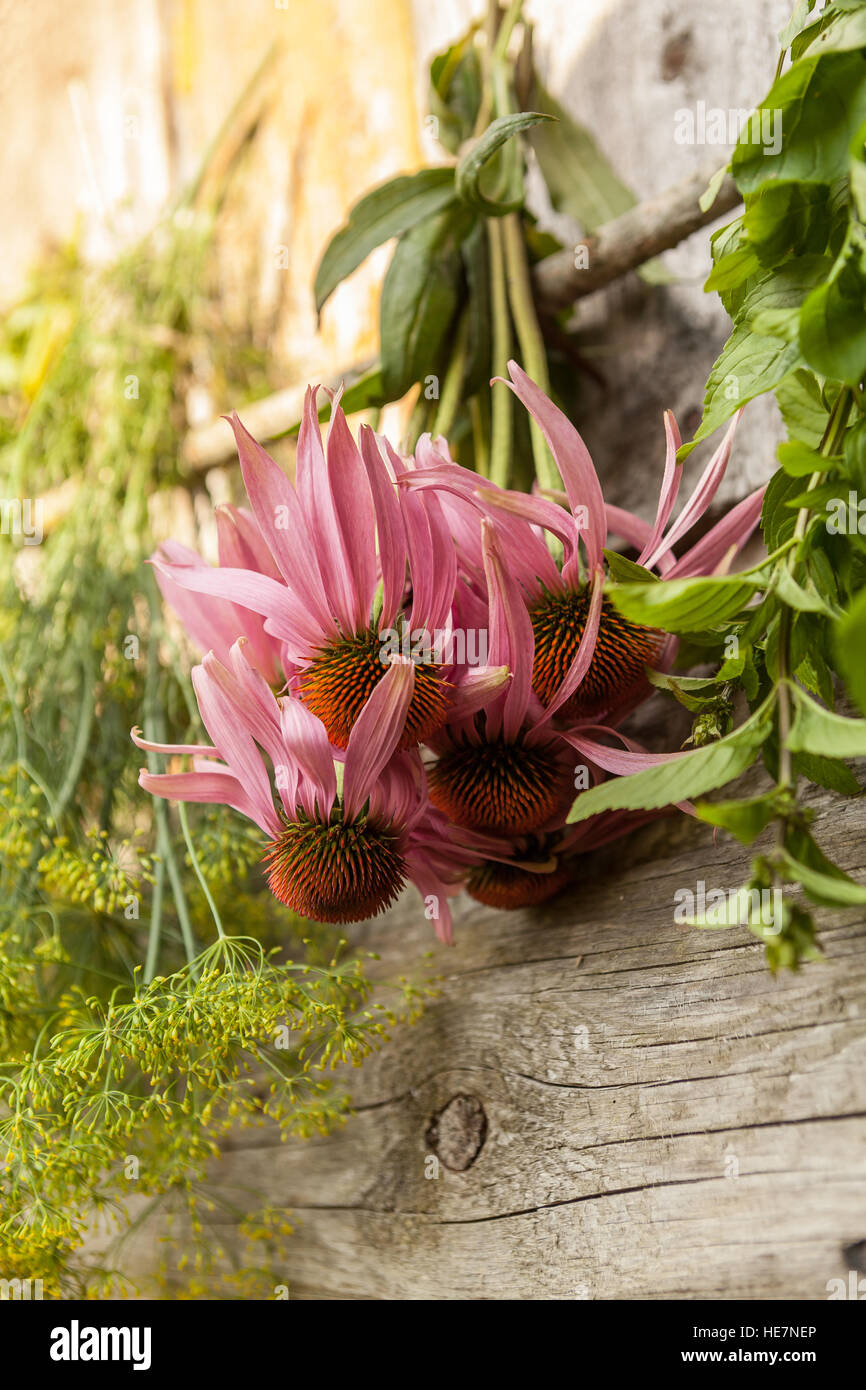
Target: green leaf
x=855, y=454
x=388, y=211
x=624, y=570
x=711, y=192
x=833, y=317
x=685, y=605
x=817, y=730
x=684, y=688
x=804, y=600
x=787, y=218
x=802, y=405
x=821, y=101
x=800, y=460
x=745, y=819
x=843, y=33
x=752, y=363
x=826, y=772
x=777, y=519
x=849, y=646
x=455, y=91
x=828, y=890
x=420, y=298
x=687, y=776
x=795, y=23
x=468, y=172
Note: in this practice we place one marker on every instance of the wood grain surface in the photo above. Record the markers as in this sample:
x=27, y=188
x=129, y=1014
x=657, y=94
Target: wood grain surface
x=617, y=1106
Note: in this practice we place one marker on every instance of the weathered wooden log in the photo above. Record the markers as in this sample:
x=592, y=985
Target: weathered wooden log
x=601, y=1104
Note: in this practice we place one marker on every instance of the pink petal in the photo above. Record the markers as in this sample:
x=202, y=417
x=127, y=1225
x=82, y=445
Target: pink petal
x=376, y=733
x=231, y=736
x=284, y=526
x=585, y=650
x=731, y=532
x=511, y=640
x=307, y=743
x=353, y=506
x=572, y=459
x=670, y=486
x=702, y=495
x=476, y=689
x=209, y=787
x=182, y=749
x=389, y=525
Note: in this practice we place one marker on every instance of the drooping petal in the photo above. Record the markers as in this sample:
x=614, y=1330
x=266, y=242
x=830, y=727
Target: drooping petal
x=376, y=733
x=177, y=749
x=208, y=787
x=585, y=649
x=702, y=495
x=285, y=618
x=731, y=533
x=670, y=486
x=511, y=642
x=232, y=738
x=572, y=459
x=475, y=689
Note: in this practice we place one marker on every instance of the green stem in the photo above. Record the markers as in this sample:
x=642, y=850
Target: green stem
x=479, y=438
x=181, y=808
x=501, y=424
x=529, y=336
x=450, y=398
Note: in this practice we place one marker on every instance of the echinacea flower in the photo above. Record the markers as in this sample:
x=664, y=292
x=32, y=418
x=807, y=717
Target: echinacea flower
x=589, y=660
x=335, y=853
x=502, y=769
x=338, y=596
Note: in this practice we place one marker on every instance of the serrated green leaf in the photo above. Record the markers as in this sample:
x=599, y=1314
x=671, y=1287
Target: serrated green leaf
x=799, y=460
x=804, y=600
x=388, y=211
x=821, y=101
x=802, y=405
x=684, y=777
x=752, y=363
x=777, y=520
x=826, y=772
x=817, y=730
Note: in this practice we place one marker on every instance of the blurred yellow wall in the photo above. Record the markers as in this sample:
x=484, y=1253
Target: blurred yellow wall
x=108, y=108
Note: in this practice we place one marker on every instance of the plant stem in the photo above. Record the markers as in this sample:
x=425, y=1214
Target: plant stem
x=450, y=398
x=501, y=426
x=181, y=810
x=529, y=335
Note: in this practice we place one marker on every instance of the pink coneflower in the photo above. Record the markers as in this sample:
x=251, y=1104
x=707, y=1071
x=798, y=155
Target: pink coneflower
x=588, y=659
x=337, y=594
x=333, y=853
x=502, y=769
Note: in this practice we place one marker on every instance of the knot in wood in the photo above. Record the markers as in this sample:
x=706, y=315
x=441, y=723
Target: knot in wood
x=456, y=1133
